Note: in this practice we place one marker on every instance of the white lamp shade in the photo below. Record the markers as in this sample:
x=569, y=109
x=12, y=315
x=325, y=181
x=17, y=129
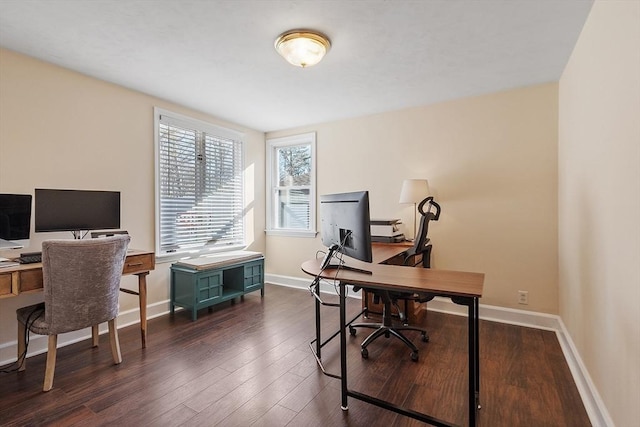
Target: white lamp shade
x=414, y=190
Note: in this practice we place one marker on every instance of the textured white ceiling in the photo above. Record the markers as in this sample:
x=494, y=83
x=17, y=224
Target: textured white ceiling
x=218, y=56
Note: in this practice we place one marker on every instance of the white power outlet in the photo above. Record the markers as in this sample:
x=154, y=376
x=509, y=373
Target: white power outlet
x=523, y=297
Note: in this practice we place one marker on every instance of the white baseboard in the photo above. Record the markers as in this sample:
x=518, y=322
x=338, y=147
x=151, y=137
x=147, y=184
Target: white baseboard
x=596, y=410
x=598, y=414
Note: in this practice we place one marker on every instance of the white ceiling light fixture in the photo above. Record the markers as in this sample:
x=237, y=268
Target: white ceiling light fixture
x=302, y=48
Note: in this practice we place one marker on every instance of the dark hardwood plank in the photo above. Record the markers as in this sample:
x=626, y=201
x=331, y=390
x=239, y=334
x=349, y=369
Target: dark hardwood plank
x=249, y=363
x=276, y=416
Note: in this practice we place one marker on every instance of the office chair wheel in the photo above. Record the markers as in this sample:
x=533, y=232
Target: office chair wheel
x=352, y=331
x=425, y=337
x=365, y=353
x=414, y=356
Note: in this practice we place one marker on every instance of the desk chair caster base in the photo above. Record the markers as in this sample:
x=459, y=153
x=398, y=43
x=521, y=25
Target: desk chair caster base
x=381, y=329
x=414, y=355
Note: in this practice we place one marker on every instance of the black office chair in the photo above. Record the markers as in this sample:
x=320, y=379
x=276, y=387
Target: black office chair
x=422, y=246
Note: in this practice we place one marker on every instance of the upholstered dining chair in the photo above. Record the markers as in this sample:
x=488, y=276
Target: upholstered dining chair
x=81, y=279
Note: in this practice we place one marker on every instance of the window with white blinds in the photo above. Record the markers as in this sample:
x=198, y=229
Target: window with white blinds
x=199, y=185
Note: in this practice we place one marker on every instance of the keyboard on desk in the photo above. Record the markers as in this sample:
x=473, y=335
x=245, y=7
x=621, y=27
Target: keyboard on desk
x=30, y=257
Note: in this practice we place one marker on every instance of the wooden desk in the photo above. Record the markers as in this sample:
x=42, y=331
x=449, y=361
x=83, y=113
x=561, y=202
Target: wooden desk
x=463, y=288
x=27, y=278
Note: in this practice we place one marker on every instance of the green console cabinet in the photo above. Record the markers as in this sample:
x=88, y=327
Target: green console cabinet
x=206, y=281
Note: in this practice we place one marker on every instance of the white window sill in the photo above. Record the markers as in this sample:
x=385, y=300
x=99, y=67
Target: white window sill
x=292, y=233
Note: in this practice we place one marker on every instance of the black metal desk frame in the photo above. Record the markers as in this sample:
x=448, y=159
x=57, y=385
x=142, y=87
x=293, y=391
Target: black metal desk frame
x=473, y=351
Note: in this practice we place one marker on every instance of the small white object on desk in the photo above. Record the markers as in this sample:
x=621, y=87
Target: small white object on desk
x=8, y=263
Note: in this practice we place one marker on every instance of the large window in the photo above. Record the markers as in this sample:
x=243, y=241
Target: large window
x=199, y=185
x=291, y=184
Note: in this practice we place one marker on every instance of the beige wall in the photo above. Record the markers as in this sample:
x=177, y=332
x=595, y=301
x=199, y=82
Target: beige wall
x=61, y=129
x=599, y=203
x=491, y=162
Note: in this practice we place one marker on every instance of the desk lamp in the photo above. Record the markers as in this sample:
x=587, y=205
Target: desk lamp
x=414, y=191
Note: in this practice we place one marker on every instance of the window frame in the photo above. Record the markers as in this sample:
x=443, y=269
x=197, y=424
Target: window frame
x=217, y=131
x=272, y=173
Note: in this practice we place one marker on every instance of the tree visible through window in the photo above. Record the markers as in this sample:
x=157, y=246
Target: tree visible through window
x=292, y=183
x=294, y=168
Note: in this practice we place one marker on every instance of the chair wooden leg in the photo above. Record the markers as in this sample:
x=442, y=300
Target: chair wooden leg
x=115, y=343
x=51, y=362
x=95, y=337
x=22, y=347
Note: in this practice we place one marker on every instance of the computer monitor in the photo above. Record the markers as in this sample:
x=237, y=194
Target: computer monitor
x=345, y=228
x=76, y=210
x=15, y=220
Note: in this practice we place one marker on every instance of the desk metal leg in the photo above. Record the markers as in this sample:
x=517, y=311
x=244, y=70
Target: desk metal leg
x=477, y=356
x=343, y=346
x=318, y=344
x=474, y=361
x=473, y=327
x=317, y=348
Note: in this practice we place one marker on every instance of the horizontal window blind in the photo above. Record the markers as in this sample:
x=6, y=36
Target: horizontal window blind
x=294, y=210
x=200, y=187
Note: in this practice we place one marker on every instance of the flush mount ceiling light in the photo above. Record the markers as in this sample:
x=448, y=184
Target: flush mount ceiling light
x=302, y=48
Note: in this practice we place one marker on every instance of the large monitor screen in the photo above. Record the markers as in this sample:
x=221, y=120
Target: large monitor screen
x=345, y=225
x=15, y=216
x=76, y=210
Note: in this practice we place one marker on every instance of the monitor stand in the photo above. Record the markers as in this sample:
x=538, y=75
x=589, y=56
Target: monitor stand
x=77, y=234
x=326, y=263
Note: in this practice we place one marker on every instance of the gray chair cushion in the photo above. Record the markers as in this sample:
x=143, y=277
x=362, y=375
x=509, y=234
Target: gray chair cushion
x=81, y=283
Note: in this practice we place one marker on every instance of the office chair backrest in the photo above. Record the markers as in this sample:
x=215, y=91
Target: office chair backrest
x=421, y=238
x=81, y=281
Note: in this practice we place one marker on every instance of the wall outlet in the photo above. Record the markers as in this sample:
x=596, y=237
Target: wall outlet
x=523, y=297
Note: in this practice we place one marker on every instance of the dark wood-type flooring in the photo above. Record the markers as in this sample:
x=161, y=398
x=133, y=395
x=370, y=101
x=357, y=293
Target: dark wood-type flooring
x=249, y=364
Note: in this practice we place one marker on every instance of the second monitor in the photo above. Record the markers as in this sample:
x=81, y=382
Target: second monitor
x=15, y=220
x=76, y=210
x=346, y=228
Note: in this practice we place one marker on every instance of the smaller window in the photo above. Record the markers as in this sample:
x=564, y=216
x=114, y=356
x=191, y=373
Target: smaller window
x=291, y=204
